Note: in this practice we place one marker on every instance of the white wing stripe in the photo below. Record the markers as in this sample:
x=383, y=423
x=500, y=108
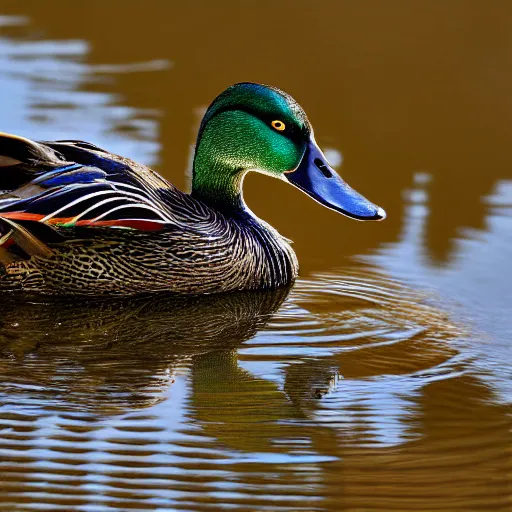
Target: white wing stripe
x=148, y=201
x=138, y=205
x=140, y=197
x=77, y=201
x=124, y=185
x=105, y=201
x=119, y=195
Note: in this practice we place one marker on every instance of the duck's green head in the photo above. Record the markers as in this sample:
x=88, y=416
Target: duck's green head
x=253, y=127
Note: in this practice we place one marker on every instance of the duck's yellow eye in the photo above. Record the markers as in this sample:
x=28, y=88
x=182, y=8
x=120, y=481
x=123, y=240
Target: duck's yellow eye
x=278, y=125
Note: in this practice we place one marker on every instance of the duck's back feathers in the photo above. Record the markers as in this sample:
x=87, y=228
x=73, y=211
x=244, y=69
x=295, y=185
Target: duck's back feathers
x=49, y=188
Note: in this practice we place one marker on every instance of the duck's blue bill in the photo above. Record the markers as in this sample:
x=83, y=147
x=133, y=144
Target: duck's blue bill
x=319, y=180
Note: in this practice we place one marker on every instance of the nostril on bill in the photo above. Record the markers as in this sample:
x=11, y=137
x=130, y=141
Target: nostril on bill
x=324, y=169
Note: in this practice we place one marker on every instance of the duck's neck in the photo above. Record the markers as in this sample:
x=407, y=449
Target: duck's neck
x=218, y=187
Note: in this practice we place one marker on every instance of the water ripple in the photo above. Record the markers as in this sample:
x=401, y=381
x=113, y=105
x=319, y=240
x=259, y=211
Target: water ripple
x=121, y=405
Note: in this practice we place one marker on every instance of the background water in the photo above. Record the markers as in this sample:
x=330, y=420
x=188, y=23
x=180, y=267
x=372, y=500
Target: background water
x=381, y=381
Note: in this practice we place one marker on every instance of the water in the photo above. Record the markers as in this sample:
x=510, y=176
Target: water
x=381, y=380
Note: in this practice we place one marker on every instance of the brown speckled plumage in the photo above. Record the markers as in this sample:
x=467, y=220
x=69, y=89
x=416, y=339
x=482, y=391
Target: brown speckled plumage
x=227, y=257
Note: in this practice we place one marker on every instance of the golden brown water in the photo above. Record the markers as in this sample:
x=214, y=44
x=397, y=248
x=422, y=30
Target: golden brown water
x=381, y=381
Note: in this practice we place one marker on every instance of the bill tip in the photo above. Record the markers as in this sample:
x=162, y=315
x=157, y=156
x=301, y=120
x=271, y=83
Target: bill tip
x=381, y=213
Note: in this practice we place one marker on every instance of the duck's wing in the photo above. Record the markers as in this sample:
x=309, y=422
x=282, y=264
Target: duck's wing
x=48, y=188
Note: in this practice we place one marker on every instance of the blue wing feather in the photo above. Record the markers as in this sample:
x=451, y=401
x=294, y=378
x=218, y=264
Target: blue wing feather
x=70, y=175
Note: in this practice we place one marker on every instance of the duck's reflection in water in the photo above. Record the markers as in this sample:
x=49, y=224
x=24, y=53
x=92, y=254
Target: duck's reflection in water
x=111, y=356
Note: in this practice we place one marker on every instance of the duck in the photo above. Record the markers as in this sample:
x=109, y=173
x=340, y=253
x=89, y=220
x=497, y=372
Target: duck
x=77, y=220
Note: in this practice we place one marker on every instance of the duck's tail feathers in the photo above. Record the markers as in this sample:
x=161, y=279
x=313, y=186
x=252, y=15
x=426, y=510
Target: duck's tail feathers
x=16, y=150
x=22, y=160
x=20, y=240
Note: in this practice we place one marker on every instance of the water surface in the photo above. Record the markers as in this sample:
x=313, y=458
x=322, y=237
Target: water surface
x=381, y=380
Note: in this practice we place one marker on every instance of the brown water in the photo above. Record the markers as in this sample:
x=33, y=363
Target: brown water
x=381, y=381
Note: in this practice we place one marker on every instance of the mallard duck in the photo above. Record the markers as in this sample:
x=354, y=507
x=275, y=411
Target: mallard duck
x=78, y=220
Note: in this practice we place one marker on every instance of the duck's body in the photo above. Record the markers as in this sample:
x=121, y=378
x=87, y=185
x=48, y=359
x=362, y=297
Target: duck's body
x=77, y=220
x=166, y=241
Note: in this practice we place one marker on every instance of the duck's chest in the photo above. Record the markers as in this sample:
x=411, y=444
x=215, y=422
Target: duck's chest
x=262, y=259
x=231, y=256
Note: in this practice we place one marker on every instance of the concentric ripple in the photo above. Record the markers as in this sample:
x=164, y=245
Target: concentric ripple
x=257, y=401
